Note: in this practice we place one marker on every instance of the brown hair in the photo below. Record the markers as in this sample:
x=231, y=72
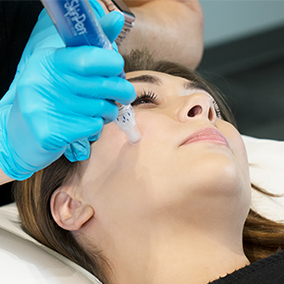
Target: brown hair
x=262, y=237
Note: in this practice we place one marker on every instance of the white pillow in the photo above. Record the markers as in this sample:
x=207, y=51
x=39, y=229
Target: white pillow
x=24, y=260
x=266, y=165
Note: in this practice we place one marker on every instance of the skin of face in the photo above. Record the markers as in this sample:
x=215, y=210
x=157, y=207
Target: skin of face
x=143, y=194
x=176, y=25
x=160, y=172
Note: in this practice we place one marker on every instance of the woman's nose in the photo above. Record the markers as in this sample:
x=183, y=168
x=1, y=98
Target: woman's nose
x=197, y=106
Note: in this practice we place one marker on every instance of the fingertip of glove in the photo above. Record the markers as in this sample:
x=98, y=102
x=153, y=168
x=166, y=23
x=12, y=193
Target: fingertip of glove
x=78, y=151
x=117, y=17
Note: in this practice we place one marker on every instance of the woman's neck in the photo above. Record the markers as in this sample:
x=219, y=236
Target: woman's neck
x=178, y=256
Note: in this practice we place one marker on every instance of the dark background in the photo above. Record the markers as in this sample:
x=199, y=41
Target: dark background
x=250, y=71
x=17, y=19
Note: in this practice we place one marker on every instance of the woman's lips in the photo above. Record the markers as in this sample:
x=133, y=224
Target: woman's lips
x=209, y=134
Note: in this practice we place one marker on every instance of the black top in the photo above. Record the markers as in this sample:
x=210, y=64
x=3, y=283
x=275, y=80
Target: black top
x=269, y=270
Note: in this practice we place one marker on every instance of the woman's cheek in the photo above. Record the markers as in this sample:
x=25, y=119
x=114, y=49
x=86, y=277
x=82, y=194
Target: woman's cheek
x=148, y=123
x=153, y=124
x=111, y=135
x=145, y=122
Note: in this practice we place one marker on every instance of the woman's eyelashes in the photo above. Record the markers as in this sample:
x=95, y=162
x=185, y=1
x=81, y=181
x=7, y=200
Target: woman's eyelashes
x=150, y=97
x=147, y=97
x=216, y=108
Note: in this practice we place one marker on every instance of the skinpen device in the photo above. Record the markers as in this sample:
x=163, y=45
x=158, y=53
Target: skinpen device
x=77, y=25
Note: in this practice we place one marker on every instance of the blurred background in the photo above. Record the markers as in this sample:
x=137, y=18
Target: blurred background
x=244, y=57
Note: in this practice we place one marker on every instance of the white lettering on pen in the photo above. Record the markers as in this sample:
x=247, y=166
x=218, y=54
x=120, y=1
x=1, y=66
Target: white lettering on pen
x=73, y=13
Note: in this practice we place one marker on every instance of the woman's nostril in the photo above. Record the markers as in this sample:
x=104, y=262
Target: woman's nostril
x=194, y=111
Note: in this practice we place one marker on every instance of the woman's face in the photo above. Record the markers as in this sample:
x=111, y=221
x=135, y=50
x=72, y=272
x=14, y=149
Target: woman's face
x=189, y=163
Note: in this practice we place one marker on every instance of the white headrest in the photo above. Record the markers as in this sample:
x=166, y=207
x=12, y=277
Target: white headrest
x=266, y=165
x=24, y=260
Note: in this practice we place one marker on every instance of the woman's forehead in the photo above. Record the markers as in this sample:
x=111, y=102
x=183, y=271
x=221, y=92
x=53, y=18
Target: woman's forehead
x=159, y=78
x=164, y=80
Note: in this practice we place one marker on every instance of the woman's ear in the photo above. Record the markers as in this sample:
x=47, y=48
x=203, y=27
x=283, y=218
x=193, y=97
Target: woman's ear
x=69, y=213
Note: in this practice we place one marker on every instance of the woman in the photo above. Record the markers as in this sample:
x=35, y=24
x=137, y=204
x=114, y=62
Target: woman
x=169, y=210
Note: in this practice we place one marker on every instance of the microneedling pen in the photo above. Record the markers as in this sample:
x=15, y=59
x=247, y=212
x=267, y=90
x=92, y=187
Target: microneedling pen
x=78, y=25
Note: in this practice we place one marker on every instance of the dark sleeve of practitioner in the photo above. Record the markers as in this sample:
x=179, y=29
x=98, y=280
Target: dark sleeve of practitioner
x=17, y=19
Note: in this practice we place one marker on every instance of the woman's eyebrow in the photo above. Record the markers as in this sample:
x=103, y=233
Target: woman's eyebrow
x=146, y=79
x=193, y=85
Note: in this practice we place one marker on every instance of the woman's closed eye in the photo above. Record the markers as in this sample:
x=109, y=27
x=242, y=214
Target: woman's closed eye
x=147, y=97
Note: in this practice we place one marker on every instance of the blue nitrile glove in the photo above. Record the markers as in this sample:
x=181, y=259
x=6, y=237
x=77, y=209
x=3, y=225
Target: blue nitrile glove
x=45, y=35
x=53, y=109
x=112, y=25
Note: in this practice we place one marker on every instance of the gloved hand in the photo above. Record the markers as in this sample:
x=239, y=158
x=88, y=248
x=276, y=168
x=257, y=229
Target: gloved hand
x=59, y=96
x=45, y=35
x=40, y=124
